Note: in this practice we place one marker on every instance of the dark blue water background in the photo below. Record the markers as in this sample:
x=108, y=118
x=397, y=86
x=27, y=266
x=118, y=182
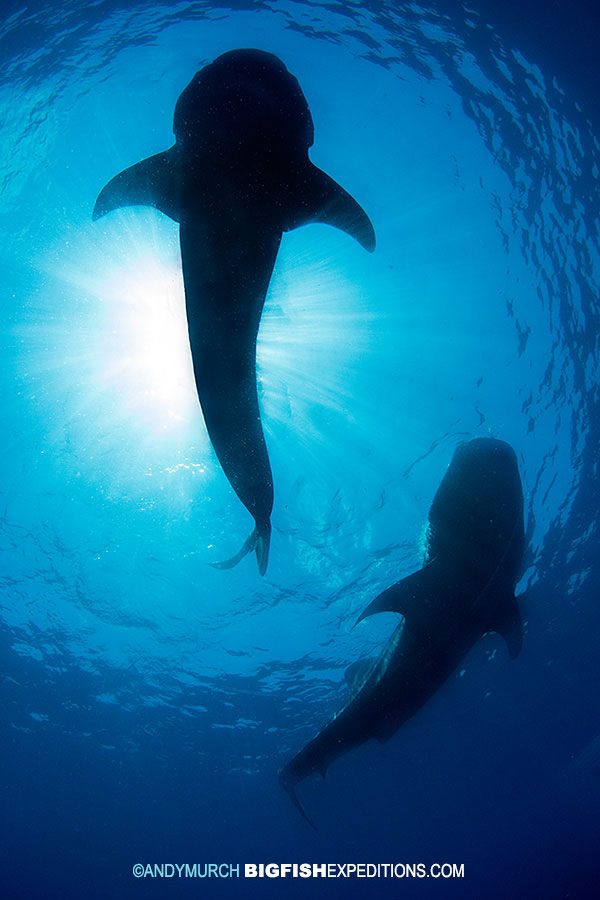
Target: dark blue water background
x=148, y=700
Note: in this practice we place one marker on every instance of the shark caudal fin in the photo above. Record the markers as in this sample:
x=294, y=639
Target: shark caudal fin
x=321, y=199
x=261, y=547
x=288, y=783
x=151, y=182
x=259, y=541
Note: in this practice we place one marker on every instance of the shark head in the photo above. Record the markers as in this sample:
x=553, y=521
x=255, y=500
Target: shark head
x=244, y=102
x=477, y=512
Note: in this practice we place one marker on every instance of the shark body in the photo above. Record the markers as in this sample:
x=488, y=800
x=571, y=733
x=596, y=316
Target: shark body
x=465, y=589
x=237, y=177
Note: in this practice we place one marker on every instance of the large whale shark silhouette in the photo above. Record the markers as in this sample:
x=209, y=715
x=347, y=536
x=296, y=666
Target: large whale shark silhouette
x=237, y=177
x=475, y=543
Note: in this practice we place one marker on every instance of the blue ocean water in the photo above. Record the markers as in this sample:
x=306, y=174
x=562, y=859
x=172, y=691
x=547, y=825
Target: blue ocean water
x=148, y=699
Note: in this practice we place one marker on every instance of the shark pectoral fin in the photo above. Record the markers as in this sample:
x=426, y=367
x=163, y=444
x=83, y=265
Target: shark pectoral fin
x=258, y=541
x=321, y=199
x=510, y=626
x=408, y=597
x=150, y=182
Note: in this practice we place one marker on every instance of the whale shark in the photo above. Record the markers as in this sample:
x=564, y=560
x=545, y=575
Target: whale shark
x=474, y=549
x=236, y=178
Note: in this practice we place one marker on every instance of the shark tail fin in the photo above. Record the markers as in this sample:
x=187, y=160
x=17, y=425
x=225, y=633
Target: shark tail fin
x=261, y=547
x=259, y=541
x=321, y=199
x=150, y=182
x=288, y=783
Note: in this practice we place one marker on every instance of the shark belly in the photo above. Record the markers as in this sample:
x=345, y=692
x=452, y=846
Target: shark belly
x=226, y=280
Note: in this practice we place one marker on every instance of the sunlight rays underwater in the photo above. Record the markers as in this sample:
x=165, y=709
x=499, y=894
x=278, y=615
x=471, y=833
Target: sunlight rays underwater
x=371, y=368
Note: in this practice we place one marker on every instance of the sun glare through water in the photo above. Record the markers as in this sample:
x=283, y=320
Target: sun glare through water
x=147, y=347
x=313, y=332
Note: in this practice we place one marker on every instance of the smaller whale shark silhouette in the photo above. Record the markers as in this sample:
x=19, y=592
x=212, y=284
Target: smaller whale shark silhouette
x=475, y=547
x=237, y=177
